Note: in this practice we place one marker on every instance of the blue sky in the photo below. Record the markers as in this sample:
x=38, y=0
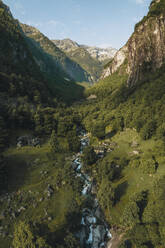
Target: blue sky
x=93, y=22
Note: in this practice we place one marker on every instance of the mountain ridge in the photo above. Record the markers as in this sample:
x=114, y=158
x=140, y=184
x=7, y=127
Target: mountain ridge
x=101, y=54
x=58, y=57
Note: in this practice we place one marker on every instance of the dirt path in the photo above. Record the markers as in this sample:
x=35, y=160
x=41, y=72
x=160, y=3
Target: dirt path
x=115, y=241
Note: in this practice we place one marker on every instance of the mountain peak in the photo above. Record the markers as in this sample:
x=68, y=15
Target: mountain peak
x=66, y=44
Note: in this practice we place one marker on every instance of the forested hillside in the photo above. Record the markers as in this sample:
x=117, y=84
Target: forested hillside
x=33, y=112
x=127, y=117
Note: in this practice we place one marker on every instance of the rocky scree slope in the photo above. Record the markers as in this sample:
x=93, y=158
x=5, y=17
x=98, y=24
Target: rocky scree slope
x=144, y=51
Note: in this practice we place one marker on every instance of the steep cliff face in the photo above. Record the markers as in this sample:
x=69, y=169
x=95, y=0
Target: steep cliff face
x=144, y=52
x=115, y=64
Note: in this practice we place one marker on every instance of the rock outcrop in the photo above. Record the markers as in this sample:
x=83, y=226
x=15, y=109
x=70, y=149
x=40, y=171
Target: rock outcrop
x=144, y=52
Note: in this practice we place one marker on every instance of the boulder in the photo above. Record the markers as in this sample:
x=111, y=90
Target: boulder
x=90, y=219
x=98, y=213
x=134, y=144
x=49, y=190
x=99, y=233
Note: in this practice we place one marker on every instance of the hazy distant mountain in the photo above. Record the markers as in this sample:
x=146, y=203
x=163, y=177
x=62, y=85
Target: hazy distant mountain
x=66, y=45
x=102, y=54
x=91, y=59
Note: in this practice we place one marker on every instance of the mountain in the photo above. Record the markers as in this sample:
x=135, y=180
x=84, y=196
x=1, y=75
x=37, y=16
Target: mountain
x=66, y=45
x=22, y=56
x=51, y=52
x=91, y=59
x=101, y=54
x=83, y=58
x=144, y=52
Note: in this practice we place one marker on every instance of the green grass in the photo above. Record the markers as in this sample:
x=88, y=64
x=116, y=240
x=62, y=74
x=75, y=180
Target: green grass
x=133, y=179
x=25, y=178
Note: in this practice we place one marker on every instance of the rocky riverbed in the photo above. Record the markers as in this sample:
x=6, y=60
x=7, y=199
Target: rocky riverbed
x=94, y=232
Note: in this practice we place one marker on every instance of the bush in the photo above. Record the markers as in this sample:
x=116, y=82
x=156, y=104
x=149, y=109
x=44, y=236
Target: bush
x=160, y=132
x=148, y=166
x=106, y=194
x=98, y=130
x=148, y=130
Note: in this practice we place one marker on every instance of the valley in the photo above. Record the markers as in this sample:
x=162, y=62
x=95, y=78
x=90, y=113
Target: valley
x=82, y=138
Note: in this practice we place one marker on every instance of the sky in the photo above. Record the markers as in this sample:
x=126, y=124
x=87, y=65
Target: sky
x=102, y=23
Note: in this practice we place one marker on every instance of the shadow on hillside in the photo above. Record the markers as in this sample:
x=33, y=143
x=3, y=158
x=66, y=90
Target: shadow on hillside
x=16, y=171
x=120, y=191
x=110, y=134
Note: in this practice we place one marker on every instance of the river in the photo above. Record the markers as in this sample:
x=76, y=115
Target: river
x=94, y=232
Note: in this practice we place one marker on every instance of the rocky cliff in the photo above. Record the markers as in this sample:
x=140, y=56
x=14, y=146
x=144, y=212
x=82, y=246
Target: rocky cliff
x=144, y=52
